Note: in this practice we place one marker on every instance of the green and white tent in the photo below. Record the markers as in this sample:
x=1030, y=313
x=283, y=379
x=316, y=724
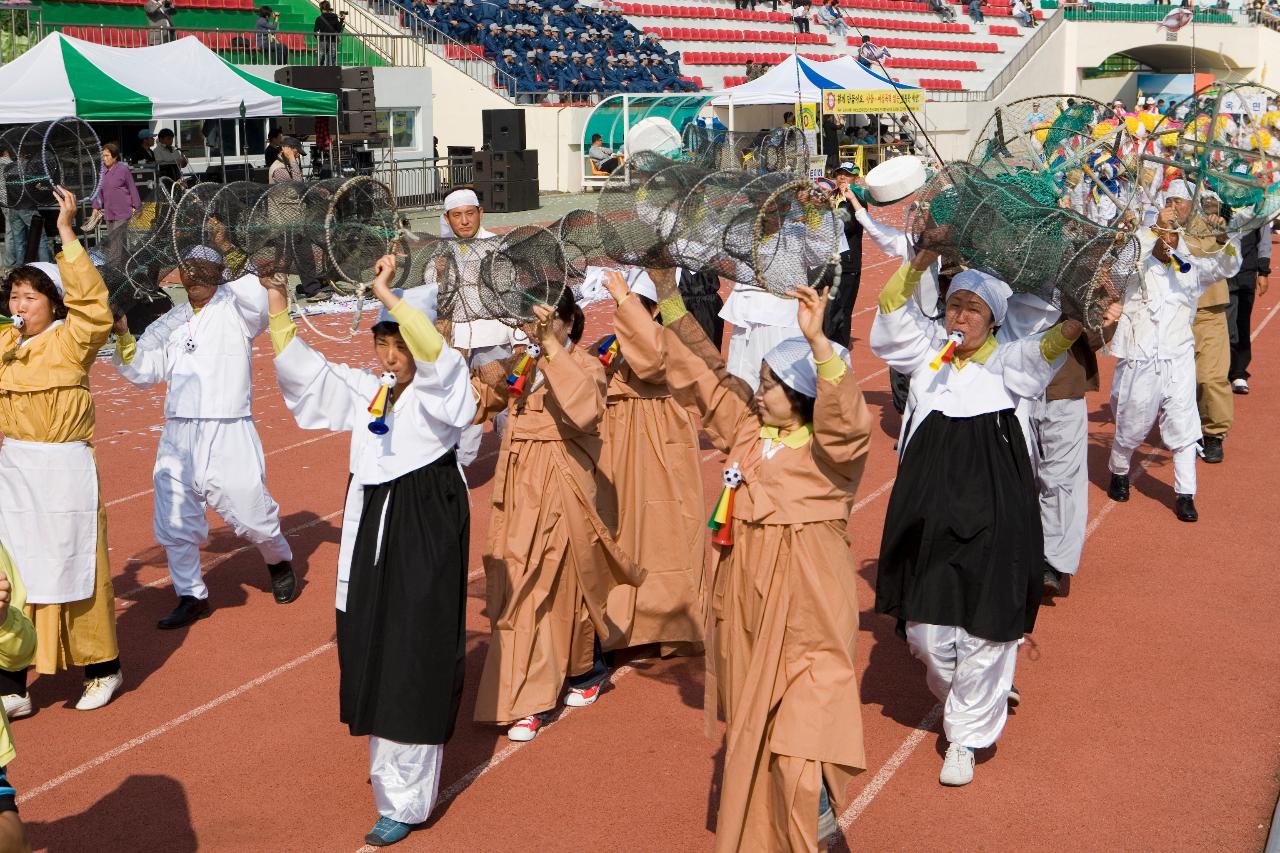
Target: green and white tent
x=183, y=79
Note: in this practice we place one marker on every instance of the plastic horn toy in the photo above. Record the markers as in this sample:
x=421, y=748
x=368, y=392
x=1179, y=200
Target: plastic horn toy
x=381, y=405
x=948, y=353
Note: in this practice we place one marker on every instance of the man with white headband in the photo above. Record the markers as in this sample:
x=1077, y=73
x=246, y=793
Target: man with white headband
x=480, y=341
x=1155, y=374
x=960, y=556
x=209, y=454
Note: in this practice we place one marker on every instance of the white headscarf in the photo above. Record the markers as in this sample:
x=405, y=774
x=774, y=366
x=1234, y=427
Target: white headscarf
x=423, y=298
x=792, y=362
x=988, y=288
x=51, y=270
x=454, y=200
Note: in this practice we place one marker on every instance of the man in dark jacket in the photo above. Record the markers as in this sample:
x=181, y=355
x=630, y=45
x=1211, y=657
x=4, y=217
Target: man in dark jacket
x=839, y=318
x=1251, y=281
x=326, y=28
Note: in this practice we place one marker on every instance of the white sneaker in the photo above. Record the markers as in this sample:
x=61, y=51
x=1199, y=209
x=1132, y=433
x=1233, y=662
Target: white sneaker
x=957, y=767
x=1239, y=386
x=98, y=692
x=525, y=730
x=17, y=705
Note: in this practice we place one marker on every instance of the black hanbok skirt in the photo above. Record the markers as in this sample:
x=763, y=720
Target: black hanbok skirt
x=401, y=641
x=962, y=542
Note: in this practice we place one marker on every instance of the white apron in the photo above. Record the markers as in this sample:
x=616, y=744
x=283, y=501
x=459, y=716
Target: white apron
x=49, y=517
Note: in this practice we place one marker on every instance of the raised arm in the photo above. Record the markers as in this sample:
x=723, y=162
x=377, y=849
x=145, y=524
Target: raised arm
x=888, y=239
x=88, y=323
x=647, y=352
x=841, y=420
x=900, y=334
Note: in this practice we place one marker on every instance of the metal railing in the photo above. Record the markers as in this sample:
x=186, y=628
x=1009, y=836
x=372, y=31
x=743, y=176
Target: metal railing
x=1135, y=13
x=424, y=182
x=19, y=31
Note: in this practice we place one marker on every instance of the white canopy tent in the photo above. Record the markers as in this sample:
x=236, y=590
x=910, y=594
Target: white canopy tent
x=63, y=76
x=780, y=84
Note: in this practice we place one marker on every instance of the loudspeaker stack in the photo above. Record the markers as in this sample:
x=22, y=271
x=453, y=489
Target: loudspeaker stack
x=357, y=118
x=506, y=173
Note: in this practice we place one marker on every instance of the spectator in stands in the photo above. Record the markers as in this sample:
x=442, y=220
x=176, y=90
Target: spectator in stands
x=800, y=15
x=864, y=136
x=943, y=11
x=509, y=71
x=1023, y=14
x=870, y=53
x=603, y=159
x=751, y=69
x=159, y=20
x=272, y=152
x=169, y=160
x=491, y=41
x=327, y=26
x=116, y=201
x=744, y=4
x=1160, y=108
x=268, y=22
x=1035, y=117
x=975, y=11
x=831, y=16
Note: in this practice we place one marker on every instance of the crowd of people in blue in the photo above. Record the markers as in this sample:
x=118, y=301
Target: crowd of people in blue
x=563, y=47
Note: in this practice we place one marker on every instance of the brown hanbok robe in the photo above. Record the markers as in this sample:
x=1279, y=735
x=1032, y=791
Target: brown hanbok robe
x=783, y=610
x=650, y=493
x=554, y=573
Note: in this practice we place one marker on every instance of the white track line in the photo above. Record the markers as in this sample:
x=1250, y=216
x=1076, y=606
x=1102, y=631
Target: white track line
x=294, y=446
x=502, y=755
x=1263, y=324
x=172, y=724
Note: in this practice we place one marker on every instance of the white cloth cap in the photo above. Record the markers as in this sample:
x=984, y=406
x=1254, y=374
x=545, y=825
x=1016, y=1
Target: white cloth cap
x=204, y=253
x=51, y=270
x=1178, y=189
x=640, y=282
x=988, y=288
x=792, y=362
x=460, y=198
x=422, y=297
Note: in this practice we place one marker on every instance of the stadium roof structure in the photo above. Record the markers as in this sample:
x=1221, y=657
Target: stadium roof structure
x=797, y=75
x=63, y=76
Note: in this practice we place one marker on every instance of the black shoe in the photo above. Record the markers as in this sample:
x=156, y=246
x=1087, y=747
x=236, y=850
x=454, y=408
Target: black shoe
x=189, y=609
x=1212, y=451
x=1185, y=508
x=1119, y=488
x=1052, y=580
x=284, y=586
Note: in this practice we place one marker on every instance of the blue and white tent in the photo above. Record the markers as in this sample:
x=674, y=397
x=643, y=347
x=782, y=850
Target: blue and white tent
x=781, y=83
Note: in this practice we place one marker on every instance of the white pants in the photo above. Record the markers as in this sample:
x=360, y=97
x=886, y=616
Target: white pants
x=1060, y=442
x=1141, y=392
x=748, y=347
x=469, y=441
x=215, y=463
x=405, y=778
x=970, y=676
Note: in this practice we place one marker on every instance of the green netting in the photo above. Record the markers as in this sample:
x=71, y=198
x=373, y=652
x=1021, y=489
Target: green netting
x=611, y=120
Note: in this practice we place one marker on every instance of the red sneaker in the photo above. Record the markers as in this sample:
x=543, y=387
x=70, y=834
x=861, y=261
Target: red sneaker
x=582, y=697
x=526, y=729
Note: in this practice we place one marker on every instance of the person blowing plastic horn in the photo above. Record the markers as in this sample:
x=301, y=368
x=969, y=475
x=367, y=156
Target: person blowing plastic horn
x=1155, y=376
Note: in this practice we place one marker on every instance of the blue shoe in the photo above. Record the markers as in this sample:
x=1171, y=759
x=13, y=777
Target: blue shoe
x=386, y=832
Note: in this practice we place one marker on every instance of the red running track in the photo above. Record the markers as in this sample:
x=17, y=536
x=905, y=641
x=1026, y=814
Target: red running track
x=1147, y=723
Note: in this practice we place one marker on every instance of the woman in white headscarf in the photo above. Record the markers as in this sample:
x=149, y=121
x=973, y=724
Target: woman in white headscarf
x=782, y=613
x=51, y=515
x=960, y=556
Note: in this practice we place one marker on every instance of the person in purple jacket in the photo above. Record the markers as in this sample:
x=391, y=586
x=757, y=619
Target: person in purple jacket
x=116, y=201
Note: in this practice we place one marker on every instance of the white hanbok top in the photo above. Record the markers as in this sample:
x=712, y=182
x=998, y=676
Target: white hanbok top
x=1160, y=303
x=425, y=422
x=205, y=356
x=908, y=341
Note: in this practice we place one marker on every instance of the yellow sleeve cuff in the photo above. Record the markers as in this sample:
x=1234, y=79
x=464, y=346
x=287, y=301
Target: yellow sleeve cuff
x=833, y=368
x=126, y=347
x=282, y=330
x=899, y=289
x=71, y=251
x=1053, y=344
x=236, y=262
x=423, y=339
x=672, y=309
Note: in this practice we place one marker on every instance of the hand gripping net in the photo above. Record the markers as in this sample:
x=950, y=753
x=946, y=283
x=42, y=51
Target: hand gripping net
x=1012, y=226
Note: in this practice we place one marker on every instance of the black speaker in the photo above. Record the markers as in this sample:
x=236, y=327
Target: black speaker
x=357, y=77
x=506, y=165
x=503, y=129
x=357, y=124
x=298, y=126
x=316, y=78
x=507, y=196
x=354, y=100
